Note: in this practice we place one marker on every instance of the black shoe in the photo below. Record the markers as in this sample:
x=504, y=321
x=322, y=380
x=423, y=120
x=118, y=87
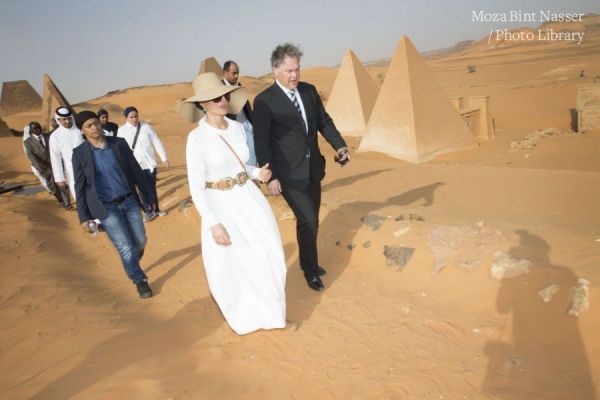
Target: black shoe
x=314, y=282
x=143, y=289
x=321, y=271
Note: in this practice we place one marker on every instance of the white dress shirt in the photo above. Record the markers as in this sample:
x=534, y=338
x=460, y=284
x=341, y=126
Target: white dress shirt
x=146, y=143
x=288, y=94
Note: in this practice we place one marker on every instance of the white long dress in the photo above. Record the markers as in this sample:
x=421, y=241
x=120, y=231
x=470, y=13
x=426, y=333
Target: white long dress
x=246, y=278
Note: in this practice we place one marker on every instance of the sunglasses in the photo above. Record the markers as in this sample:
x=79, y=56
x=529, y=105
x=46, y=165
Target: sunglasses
x=218, y=99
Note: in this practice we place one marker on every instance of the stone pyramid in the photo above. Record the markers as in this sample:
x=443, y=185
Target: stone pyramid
x=211, y=64
x=4, y=129
x=19, y=96
x=53, y=98
x=413, y=119
x=352, y=97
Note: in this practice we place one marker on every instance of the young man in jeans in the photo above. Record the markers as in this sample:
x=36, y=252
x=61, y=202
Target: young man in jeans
x=106, y=176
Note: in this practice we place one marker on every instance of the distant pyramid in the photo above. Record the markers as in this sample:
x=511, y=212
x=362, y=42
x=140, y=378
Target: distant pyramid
x=352, y=97
x=413, y=119
x=211, y=64
x=53, y=98
x=4, y=129
x=19, y=96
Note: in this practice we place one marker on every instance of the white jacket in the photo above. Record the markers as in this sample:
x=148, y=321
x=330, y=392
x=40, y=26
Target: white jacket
x=147, y=142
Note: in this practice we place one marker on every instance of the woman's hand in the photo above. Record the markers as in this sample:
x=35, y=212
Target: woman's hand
x=265, y=173
x=220, y=235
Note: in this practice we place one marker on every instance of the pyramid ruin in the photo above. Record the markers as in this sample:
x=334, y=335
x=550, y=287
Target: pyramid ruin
x=53, y=98
x=588, y=107
x=413, y=119
x=19, y=96
x=4, y=129
x=352, y=97
x=211, y=64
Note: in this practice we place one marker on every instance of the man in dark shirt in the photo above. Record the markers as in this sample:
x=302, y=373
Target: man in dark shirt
x=106, y=176
x=109, y=128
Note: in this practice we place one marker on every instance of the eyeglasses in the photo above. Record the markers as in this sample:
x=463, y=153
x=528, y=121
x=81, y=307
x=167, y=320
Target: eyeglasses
x=218, y=99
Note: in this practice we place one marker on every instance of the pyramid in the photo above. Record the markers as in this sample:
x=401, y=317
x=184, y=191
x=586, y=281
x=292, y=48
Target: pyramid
x=352, y=97
x=19, y=96
x=210, y=64
x=413, y=119
x=53, y=98
x=4, y=129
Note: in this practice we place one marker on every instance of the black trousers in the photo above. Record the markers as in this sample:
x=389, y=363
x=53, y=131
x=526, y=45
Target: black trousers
x=306, y=204
x=151, y=176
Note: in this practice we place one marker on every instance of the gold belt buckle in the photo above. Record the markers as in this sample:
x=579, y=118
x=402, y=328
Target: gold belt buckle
x=242, y=178
x=228, y=183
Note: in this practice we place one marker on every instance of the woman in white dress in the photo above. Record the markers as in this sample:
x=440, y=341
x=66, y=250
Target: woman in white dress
x=241, y=245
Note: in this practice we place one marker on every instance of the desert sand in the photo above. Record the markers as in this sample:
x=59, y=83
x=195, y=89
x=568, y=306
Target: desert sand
x=73, y=326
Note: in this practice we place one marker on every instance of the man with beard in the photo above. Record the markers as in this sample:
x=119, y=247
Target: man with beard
x=62, y=142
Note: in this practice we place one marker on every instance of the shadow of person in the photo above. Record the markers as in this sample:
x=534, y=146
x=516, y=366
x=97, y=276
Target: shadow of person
x=343, y=222
x=348, y=180
x=540, y=353
x=147, y=339
x=188, y=255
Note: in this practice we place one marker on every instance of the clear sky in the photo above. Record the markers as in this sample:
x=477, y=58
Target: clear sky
x=90, y=47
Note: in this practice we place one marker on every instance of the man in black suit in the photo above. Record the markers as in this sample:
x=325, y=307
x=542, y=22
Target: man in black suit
x=231, y=74
x=287, y=116
x=106, y=175
x=36, y=148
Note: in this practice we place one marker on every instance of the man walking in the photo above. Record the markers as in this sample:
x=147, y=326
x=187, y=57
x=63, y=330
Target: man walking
x=109, y=127
x=287, y=116
x=62, y=142
x=36, y=148
x=106, y=176
x=143, y=140
x=231, y=74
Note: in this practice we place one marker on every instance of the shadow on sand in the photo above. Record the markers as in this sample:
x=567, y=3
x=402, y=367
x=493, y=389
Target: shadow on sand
x=540, y=353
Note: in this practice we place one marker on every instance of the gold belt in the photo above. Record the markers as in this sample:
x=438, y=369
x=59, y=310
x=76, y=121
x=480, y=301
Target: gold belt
x=229, y=182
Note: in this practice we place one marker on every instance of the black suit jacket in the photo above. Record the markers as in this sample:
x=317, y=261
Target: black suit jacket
x=281, y=139
x=89, y=205
x=38, y=154
x=247, y=110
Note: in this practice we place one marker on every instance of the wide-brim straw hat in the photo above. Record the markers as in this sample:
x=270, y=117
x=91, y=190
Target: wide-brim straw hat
x=208, y=86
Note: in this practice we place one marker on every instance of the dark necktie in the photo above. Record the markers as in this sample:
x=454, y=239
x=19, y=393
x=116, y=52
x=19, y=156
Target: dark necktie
x=295, y=101
x=41, y=140
x=297, y=105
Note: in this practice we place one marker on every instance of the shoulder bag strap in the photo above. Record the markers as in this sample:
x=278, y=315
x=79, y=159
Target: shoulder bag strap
x=137, y=133
x=234, y=153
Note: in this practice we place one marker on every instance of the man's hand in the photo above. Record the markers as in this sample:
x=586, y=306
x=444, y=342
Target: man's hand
x=265, y=173
x=343, y=156
x=220, y=235
x=61, y=184
x=274, y=187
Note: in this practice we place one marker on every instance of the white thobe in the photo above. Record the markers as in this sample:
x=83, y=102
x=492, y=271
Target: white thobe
x=62, y=143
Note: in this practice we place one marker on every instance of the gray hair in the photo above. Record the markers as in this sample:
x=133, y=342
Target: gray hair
x=285, y=50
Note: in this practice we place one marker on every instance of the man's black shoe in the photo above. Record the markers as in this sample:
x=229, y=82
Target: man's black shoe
x=143, y=289
x=321, y=271
x=314, y=282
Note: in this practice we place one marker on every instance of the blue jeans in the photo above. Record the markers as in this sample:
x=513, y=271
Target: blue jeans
x=125, y=228
x=151, y=176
